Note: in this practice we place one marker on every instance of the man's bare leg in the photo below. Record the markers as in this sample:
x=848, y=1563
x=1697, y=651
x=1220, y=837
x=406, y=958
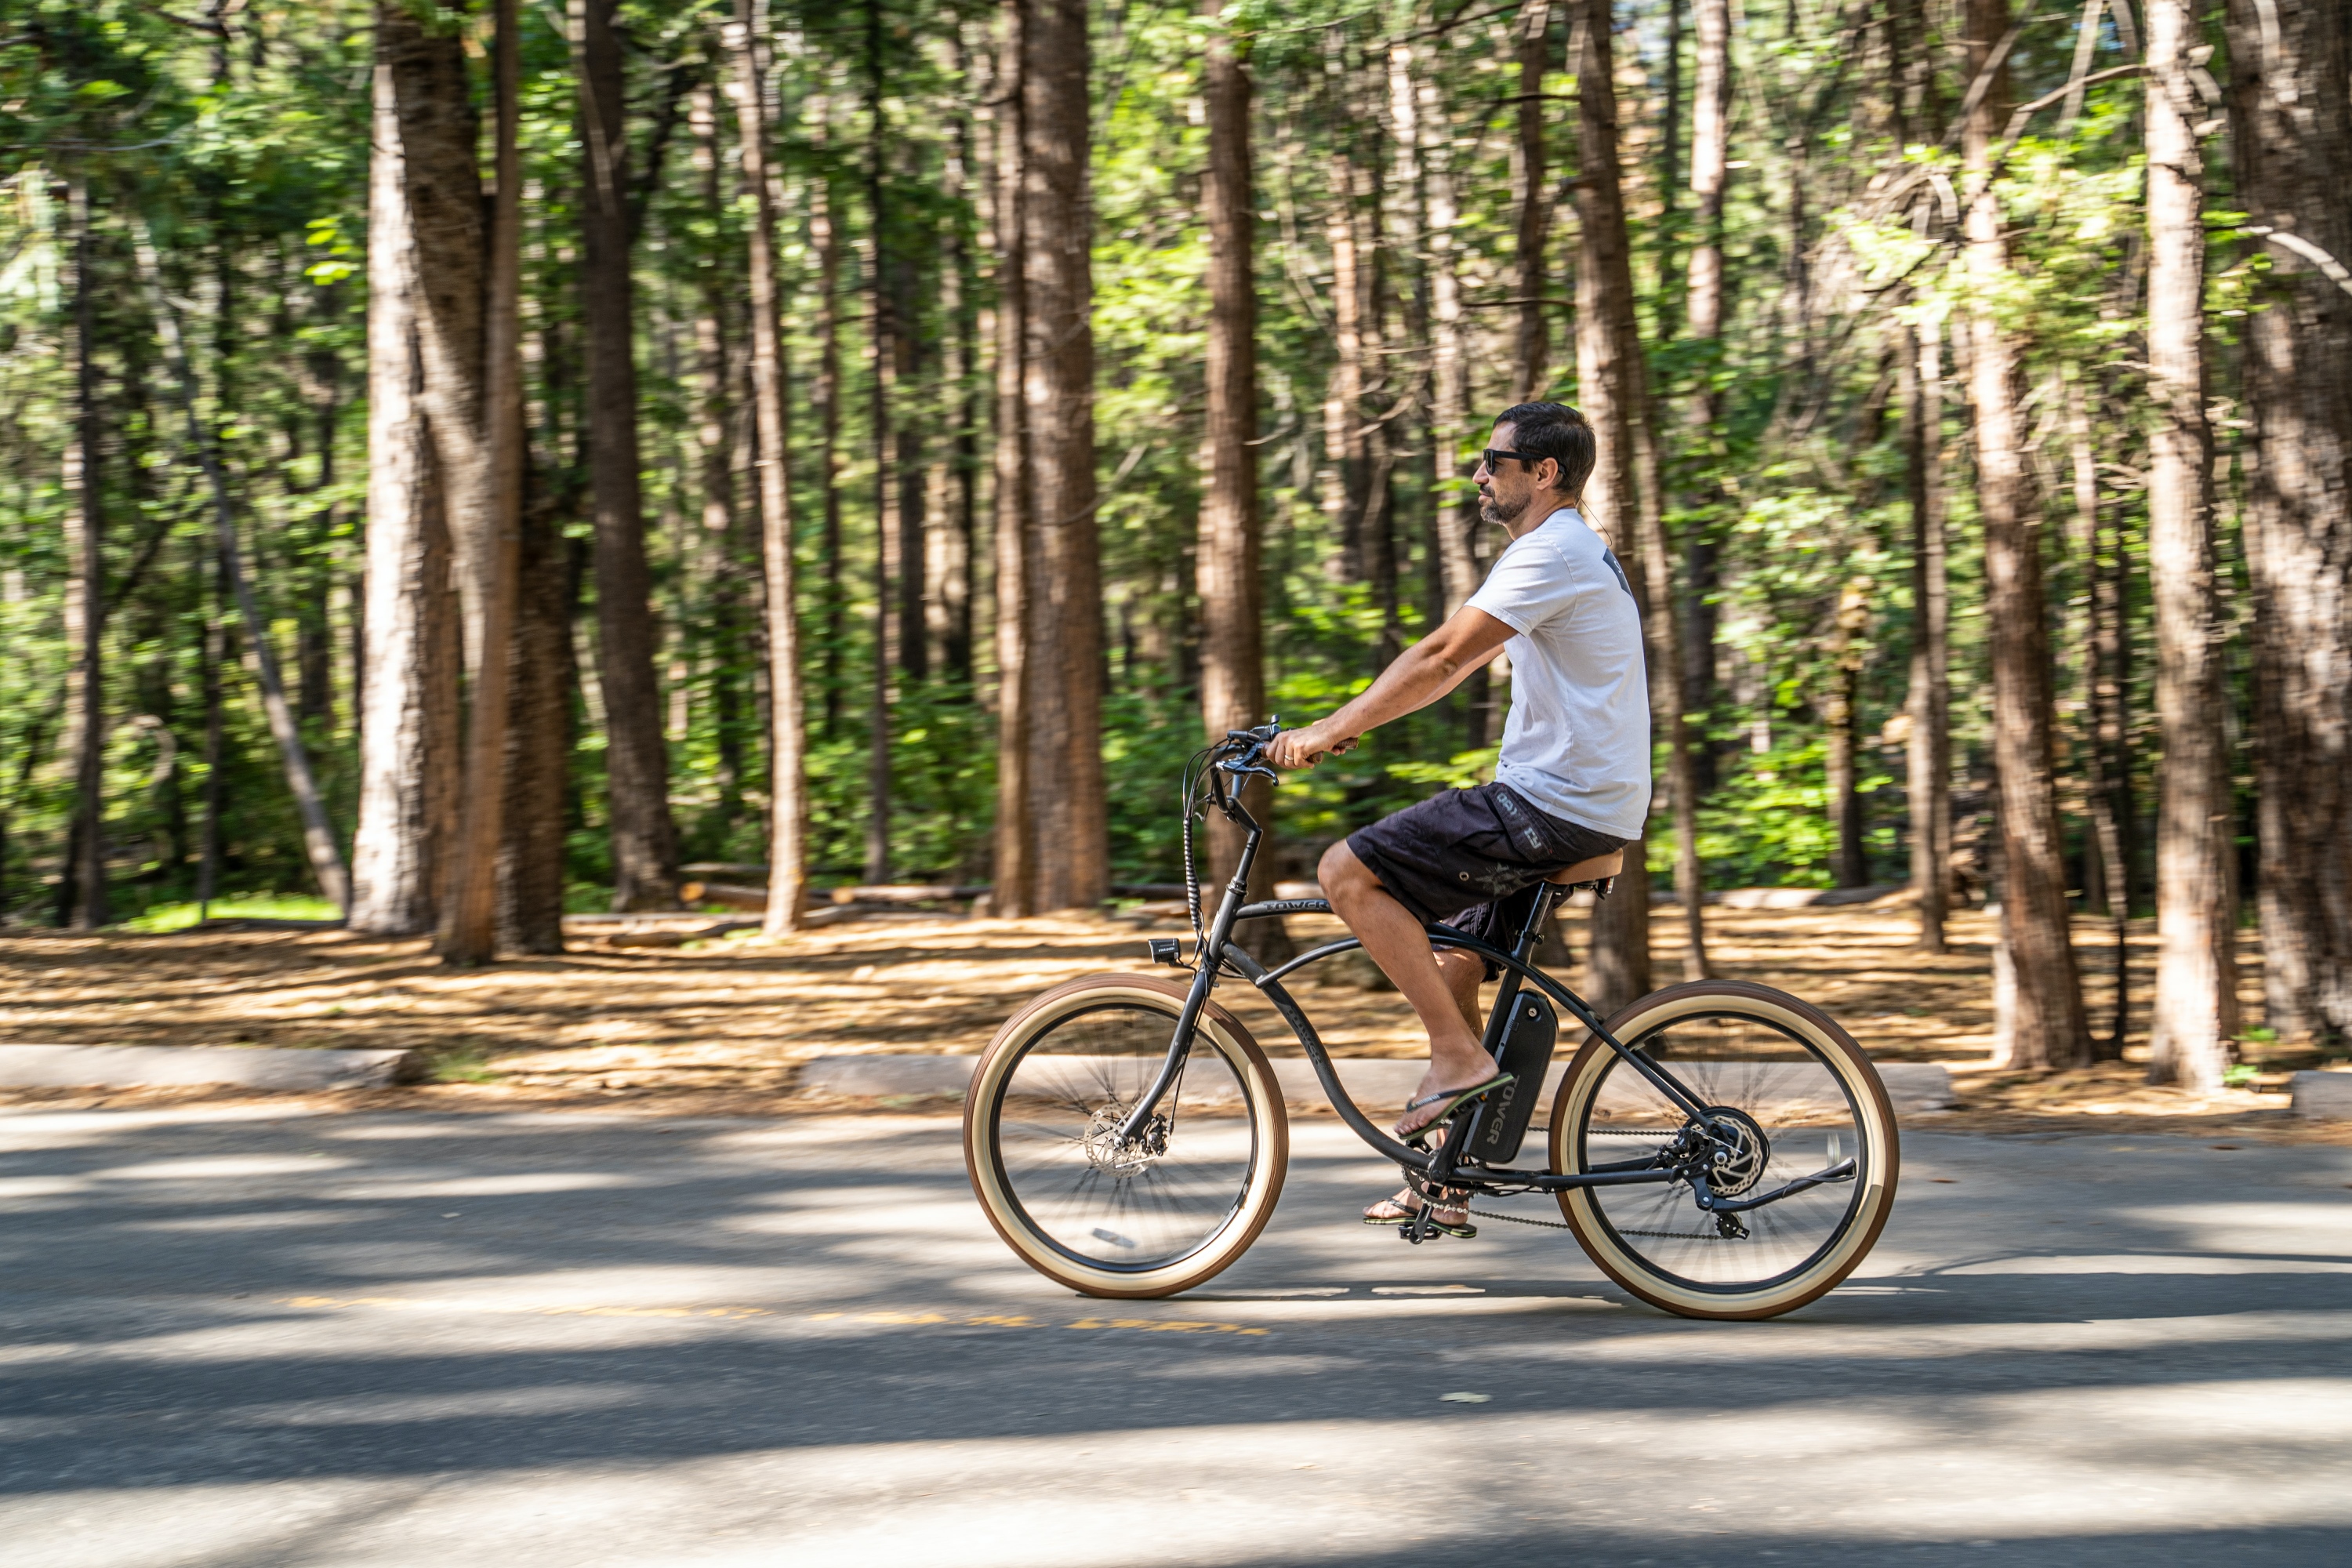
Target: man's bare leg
x=1399, y=945
x=1464, y=973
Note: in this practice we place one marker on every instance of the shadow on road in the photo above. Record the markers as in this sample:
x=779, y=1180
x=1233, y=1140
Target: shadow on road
x=204, y=1301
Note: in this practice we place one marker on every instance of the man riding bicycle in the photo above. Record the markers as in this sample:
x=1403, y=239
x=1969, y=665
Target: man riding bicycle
x=1572, y=782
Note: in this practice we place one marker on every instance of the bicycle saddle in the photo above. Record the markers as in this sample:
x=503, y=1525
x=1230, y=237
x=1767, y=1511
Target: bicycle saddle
x=1599, y=868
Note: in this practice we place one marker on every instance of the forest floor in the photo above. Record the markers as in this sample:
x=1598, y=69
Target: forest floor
x=720, y=1026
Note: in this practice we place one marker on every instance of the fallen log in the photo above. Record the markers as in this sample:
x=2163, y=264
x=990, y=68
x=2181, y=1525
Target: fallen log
x=744, y=885
x=732, y=895
x=839, y=914
x=906, y=893
x=728, y=870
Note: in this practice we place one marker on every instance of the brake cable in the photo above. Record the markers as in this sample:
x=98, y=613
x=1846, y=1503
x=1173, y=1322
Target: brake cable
x=1193, y=773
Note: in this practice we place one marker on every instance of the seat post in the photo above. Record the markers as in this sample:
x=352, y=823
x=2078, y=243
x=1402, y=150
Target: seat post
x=1546, y=895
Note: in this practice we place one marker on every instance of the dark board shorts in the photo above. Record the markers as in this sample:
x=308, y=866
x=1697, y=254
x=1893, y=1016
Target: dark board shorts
x=1472, y=859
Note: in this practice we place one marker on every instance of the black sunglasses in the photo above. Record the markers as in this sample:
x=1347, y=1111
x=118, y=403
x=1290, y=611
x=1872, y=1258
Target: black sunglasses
x=1493, y=460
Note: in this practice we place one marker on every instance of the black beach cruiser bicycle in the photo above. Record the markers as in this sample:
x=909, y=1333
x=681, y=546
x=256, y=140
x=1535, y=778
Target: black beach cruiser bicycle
x=1720, y=1149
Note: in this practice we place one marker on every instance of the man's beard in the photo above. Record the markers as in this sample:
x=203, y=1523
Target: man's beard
x=1495, y=509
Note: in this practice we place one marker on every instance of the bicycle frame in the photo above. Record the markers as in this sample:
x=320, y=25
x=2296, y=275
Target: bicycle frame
x=1216, y=954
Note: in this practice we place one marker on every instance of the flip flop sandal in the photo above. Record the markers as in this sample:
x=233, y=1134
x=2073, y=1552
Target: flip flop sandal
x=1465, y=1232
x=1405, y=1217
x=1451, y=1100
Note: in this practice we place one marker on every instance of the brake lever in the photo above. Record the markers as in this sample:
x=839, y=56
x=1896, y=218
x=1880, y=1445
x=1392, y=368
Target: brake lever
x=1251, y=764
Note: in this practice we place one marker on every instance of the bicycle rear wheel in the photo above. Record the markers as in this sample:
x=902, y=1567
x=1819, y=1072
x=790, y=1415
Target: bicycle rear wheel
x=1800, y=1099
x=1161, y=1215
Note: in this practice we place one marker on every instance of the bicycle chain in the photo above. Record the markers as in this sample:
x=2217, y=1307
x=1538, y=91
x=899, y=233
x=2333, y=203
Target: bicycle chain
x=1554, y=1225
x=1517, y=1219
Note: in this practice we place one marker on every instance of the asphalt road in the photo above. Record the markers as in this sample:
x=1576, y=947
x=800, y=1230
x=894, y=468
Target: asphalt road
x=249, y=1337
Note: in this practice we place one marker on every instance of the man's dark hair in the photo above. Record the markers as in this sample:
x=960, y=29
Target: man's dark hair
x=1553, y=430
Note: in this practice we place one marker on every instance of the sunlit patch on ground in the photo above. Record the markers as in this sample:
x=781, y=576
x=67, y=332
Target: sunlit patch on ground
x=722, y=1027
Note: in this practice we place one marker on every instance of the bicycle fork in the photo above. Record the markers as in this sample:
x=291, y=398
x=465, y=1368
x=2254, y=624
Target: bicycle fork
x=1206, y=960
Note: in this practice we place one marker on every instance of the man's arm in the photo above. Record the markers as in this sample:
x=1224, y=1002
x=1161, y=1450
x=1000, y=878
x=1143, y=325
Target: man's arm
x=1418, y=677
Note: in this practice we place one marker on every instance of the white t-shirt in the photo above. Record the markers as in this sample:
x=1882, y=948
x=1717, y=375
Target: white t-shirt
x=1577, y=744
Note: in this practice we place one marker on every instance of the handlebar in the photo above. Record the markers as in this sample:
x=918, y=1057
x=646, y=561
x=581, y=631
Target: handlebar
x=1243, y=751
x=1239, y=756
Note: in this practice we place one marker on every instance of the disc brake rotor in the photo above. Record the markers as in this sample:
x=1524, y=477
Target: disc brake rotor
x=1742, y=1152
x=1107, y=1154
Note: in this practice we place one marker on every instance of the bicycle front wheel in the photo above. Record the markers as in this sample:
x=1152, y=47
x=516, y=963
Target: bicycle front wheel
x=1159, y=1213
x=1798, y=1111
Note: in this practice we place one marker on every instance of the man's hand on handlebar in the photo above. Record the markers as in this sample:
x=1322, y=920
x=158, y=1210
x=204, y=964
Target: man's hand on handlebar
x=1304, y=748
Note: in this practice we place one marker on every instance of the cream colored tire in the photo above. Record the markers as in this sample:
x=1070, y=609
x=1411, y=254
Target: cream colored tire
x=1102, y=1218
x=1810, y=1094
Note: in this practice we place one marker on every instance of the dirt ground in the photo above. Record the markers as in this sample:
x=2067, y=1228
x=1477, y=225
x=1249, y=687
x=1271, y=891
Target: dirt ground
x=720, y=1026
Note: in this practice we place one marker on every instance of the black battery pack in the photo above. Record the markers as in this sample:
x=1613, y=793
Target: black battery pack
x=1527, y=1040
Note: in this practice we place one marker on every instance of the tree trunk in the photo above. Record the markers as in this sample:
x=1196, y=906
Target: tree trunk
x=1710, y=151
x=907, y=345
x=961, y=657
x=1449, y=380
x=1531, y=30
x=2196, y=1015
x=2050, y=1028
x=1662, y=632
x=1703, y=319
x=474, y=369
x=1670, y=152
x=1700, y=618
x=82, y=903
x=210, y=657
x=541, y=792
x=824, y=239
x=880, y=346
x=2106, y=774
x=1408, y=227
x=715, y=438
x=408, y=687
x=1345, y=445
x=715, y=435
x=1065, y=729
x=2292, y=108
x=787, y=769
x=1385, y=376
x=1664, y=636
x=1015, y=839
x=531, y=857
x=1927, y=754
x=314, y=664
x=1610, y=384
x=1233, y=668
x=1849, y=861
x=956, y=517
x=637, y=761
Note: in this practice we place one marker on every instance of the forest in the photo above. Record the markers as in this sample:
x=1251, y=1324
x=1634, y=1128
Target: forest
x=463, y=462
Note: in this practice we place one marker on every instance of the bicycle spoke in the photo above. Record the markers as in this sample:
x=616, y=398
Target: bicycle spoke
x=1778, y=1098
x=1137, y=1205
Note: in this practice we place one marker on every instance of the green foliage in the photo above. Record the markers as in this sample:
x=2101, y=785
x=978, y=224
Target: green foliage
x=158, y=918
x=465, y=1066
x=1768, y=824
x=245, y=155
